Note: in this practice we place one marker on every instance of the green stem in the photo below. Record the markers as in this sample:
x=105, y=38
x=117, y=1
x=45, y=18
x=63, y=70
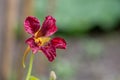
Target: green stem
x=30, y=67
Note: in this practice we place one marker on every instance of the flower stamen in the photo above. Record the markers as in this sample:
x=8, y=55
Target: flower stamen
x=42, y=40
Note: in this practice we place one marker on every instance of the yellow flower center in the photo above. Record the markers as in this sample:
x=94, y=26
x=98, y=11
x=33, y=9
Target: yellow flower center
x=42, y=40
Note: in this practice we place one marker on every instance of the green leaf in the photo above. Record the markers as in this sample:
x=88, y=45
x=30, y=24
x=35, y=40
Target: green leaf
x=33, y=78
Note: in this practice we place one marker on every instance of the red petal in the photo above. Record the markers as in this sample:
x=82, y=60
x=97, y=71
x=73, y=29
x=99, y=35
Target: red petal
x=31, y=24
x=49, y=27
x=33, y=45
x=49, y=51
x=59, y=43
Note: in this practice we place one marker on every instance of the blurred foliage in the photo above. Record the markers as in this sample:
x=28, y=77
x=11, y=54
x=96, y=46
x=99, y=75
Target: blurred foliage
x=93, y=48
x=81, y=15
x=64, y=70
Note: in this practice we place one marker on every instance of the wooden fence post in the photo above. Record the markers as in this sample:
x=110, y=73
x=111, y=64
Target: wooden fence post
x=11, y=21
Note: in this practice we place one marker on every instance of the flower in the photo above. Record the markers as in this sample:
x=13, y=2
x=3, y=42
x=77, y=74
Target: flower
x=40, y=39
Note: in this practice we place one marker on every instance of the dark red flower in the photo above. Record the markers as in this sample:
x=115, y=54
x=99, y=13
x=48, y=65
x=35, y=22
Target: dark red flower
x=40, y=39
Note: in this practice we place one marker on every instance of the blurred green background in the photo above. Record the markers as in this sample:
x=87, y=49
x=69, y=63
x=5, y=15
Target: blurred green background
x=81, y=15
x=90, y=27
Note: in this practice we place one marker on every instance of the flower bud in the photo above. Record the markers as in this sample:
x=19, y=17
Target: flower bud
x=52, y=75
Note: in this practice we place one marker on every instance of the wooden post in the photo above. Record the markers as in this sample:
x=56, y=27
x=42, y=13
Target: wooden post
x=28, y=8
x=2, y=30
x=11, y=18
